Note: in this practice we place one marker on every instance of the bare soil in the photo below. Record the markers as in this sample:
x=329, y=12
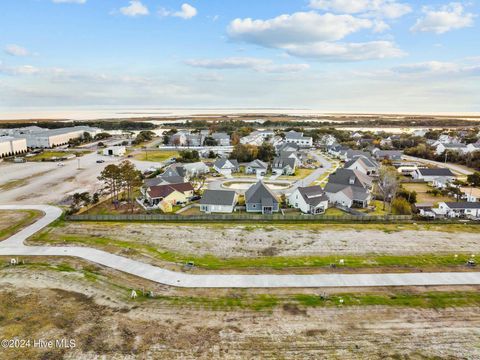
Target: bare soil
x=106, y=324
x=298, y=240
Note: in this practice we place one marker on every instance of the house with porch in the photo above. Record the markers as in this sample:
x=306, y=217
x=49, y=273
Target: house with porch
x=218, y=201
x=310, y=200
x=284, y=165
x=350, y=188
x=259, y=198
x=461, y=209
x=256, y=167
x=226, y=167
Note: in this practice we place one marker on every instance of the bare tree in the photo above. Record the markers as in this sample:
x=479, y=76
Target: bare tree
x=388, y=184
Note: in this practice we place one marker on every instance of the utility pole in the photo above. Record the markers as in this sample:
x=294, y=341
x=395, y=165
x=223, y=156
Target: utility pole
x=78, y=163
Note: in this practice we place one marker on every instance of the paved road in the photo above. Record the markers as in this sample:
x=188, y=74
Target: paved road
x=453, y=167
x=14, y=247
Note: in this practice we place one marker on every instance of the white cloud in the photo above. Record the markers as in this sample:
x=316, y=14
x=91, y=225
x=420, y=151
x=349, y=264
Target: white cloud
x=16, y=50
x=187, y=12
x=438, y=68
x=446, y=18
x=379, y=8
x=69, y=1
x=300, y=27
x=135, y=8
x=256, y=64
x=19, y=70
x=328, y=51
x=315, y=36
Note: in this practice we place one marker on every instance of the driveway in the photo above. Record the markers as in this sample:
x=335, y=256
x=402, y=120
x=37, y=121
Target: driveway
x=13, y=246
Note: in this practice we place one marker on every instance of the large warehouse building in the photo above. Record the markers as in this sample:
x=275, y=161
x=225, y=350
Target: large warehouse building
x=49, y=138
x=10, y=146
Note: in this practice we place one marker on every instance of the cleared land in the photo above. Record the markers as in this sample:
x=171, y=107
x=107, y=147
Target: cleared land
x=13, y=221
x=282, y=246
x=91, y=306
x=423, y=196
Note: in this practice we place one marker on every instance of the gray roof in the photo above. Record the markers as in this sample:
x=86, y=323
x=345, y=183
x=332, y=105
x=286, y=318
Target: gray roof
x=313, y=195
x=219, y=135
x=367, y=162
x=463, y=205
x=393, y=154
x=220, y=163
x=350, y=177
x=436, y=172
x=287, y=147
x=174, y=170
x=352, y=192
x=258, y=164
x=283, y=162
x=294, y=135
x=218, y=197
x=258, y=193
x=455, y=146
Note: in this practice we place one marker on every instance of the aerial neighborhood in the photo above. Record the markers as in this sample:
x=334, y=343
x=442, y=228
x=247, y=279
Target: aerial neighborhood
x=284, y=171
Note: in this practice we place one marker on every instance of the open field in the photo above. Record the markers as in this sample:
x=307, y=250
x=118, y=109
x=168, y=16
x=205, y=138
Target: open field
x=156, y=155
x=91, y=306
x=422, y=196
x=52, y=154
x=13, y=221
x=277, y=247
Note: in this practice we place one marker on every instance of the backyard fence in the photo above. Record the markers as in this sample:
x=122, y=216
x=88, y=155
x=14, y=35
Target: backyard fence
x=242, y=218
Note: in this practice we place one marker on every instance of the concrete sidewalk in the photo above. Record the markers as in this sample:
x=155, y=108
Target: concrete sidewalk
x=14, y=247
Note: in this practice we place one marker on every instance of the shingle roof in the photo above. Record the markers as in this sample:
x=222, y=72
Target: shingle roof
x=463, y=205
x=258, y=164
x=344, y=177
x=436, y=172
x=313, y=195
x=258, y=192
x=165, y=190
x=218, y=197
x=282, y=162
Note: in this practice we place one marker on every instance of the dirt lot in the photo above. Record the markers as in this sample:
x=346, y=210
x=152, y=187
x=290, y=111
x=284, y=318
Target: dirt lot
x=13, y=221
x=279, y=240
x=104, y=322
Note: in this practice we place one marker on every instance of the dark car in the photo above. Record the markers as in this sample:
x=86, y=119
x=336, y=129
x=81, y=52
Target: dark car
x=195, y=198
x=100, y=161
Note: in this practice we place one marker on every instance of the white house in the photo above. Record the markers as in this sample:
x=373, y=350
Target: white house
x=218, y=201
x=363, y=164
x=225, y=166
x=114, y=151
x=350, y=188
x=457, y=147
x=471, y=194
x=222, y=139
x=295, y=137
x=256, y=167
x=438, y=177
x=459, y=209
x=310, y=200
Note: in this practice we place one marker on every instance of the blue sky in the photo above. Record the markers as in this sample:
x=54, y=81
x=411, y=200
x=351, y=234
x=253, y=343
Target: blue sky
x=329, y=55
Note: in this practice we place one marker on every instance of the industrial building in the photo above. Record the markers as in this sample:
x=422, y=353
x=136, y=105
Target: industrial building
x=48, y=138
x=10, y=146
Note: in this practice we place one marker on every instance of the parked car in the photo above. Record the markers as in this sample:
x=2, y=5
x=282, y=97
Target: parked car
x=100, y=161
x=195, y=198
x=60, y=164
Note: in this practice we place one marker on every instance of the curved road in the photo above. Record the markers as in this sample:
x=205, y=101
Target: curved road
x=14, y=246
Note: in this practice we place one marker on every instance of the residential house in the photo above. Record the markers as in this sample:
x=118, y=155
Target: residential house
x=350, y=188
x=286, y=147
x=363, y=164
x=257, y=167
x=284, y=165
x=295, y=137
x=393, y=155
x=471, y=194
x=175, y=171
x=226, y=166
x=171, y=193
x=218, y=201
x=338, y=151
x=456, y=147
x=259, y=198
x=310, y=200
x=351, y=154
x=438, y=177
x=473, y=147
x=257, y=137
x=179, y=138
x=195, y=169
x=222, y=139
x=461, y=209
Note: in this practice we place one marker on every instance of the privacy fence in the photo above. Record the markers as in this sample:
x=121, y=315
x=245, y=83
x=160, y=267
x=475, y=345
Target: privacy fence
x=243, y=218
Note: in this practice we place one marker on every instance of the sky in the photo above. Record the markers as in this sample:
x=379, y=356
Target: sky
x=327, y=55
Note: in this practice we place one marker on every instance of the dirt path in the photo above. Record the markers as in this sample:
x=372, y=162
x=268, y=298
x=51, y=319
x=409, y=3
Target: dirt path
x=235, y=241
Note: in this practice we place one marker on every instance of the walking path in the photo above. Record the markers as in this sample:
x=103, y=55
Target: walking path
x=14, y=246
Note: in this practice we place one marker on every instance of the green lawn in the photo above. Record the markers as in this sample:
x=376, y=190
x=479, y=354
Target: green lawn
x=155, y=155
x=51, y=154
x=378, y=211
x=299, y=174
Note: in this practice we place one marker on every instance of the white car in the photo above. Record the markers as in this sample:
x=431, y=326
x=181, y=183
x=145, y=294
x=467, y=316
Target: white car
x=60, y=164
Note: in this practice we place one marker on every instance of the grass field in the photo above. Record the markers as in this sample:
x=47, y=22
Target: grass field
x=155, y=155
x=51, y=154
x=299, y=174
